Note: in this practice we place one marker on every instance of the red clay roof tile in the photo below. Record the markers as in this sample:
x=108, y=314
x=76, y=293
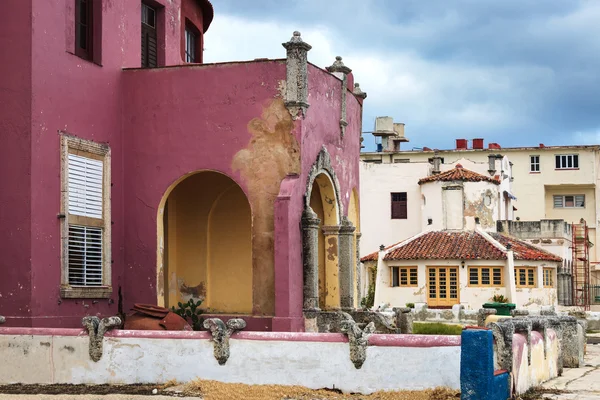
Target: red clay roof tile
x=458, y=173
x=464, y=245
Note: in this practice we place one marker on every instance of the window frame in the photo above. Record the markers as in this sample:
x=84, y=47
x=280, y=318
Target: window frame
x=88, y=52
x=399, y=214
x=149, y=32
x=191, y=30
x=409, y=271
x=558, y=161
x=534, y=162
x=564, y=200
x=479, y=269
x=548, y=273
x=85, y=148
x=527, y=285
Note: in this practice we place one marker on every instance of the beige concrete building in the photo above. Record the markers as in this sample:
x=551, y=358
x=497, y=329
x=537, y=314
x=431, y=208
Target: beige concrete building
x=549, y=182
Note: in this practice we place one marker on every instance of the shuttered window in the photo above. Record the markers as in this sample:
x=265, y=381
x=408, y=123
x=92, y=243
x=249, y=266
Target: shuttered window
x=85, y=198
x=85, y=186
x=149, y=37
x=85, y=256
x=399, y=206
x=86, y=225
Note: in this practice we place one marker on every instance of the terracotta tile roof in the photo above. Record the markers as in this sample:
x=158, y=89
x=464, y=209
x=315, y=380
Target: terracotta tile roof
x=443, y=245
x=458, y=173
x=464, y=245
x=525, y=251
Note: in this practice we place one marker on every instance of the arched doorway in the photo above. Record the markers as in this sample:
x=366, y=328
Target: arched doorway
x=205, y=234
x=323, y=202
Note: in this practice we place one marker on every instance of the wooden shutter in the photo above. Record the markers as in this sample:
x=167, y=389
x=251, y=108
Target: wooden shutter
x=399, y=206
x=85, y=199
x=85, y=256
x=85, y=186
x=149, y=50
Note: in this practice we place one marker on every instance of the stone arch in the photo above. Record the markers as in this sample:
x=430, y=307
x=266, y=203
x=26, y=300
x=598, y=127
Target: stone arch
x=205, y=244
x=322, y=168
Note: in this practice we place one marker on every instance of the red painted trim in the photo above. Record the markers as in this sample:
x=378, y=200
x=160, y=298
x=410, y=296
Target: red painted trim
x=500, y=372
x=42, y=331
x=159, y=334
x=414, y=340
x=481, y=328
x=291, y=336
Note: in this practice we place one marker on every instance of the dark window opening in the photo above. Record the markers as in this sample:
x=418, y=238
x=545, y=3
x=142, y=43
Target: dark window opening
x=399, y=210
x=192, y=39
x=83, y=29
x=149, y=37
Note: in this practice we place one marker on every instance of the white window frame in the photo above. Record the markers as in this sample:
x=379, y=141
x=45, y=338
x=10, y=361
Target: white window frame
x=534, y=163
x=564, y=161
x=562, y=197
x=85, y=148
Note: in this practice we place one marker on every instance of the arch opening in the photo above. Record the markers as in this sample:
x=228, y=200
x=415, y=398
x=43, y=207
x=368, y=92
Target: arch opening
x=324, y=203
x=205, y=244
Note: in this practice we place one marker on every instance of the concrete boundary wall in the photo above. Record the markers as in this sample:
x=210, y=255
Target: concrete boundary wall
x=314, y=360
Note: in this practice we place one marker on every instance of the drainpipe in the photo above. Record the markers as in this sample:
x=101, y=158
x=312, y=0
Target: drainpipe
x=510, y=264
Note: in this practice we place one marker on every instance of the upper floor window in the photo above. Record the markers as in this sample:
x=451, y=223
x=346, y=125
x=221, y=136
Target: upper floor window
x=549, y=277
x=567, y=161
x=86, y=227
x=569, y=201
x=84, y=18
x=149, y=37
x=191, y=44
x=399, y=206
x=534, y=164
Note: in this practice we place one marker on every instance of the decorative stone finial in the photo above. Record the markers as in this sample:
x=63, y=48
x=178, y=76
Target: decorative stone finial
x=358, y=91
x=338, y=66
x=297, y=42
x=381, y=247
x=296, y=83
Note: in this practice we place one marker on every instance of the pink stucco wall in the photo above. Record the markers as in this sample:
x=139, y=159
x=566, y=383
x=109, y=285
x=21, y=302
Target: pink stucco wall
x=15, y=158
x=161, y=124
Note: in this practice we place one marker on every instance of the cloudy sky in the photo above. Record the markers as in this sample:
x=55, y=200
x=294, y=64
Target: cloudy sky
x=516, y=72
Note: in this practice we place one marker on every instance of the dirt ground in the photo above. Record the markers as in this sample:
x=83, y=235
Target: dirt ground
x=208, y=390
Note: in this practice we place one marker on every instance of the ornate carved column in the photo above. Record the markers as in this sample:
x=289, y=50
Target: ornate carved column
x=347, y=264
x=357, y=270
x=310, y=250
x=296, y=91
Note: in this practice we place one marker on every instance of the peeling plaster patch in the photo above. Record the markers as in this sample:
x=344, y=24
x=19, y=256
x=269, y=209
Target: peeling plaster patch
x=332, y=248
x=272, y=154
x=197, y=292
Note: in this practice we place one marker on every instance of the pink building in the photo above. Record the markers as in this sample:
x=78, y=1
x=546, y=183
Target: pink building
x=130, y=172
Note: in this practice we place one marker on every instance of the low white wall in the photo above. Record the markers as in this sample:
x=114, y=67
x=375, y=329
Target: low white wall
x=394, y=362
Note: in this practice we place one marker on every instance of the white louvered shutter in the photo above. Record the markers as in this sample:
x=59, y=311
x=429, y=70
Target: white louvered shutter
x=85, y=256
x=85, y=178
x=85, y=186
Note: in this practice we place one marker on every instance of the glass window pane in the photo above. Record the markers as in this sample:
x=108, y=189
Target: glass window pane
x=575, y=161
x=497, y=277
x=558, y=201
x=413, y=276
x=485, y=276
x=394, y=276
x=473, y=276
x=569, y=201
x=530, y=277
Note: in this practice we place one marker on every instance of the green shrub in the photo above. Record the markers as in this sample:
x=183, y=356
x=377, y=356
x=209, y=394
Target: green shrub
x=191, y=312
x=369, y=301
x=410, y=305
x=436, y=328
x=498, y=298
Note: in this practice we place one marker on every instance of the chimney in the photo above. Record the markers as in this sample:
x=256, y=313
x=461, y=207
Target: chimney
x=461, y=144
x=426, y=149
x=494, y=146
x=437, y=160
x=478, y=144
x=492, y=163
x=542, y=145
